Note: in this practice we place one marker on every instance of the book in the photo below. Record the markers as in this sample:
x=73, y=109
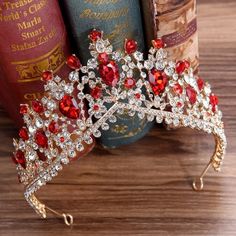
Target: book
x=33, y=38
x=118, y=20
x=175, y=21
x=28, y=46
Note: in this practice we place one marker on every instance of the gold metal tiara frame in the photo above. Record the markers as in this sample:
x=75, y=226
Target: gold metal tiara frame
x=57, y=128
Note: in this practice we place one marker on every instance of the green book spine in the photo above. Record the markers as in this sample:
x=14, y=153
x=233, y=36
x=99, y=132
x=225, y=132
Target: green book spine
x=119, y=19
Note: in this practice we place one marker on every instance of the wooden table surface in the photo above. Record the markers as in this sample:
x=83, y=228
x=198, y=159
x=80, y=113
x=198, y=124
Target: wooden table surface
x=144, y=188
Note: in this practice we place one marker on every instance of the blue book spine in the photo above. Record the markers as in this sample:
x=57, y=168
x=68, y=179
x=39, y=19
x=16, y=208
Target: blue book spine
x=118, y=19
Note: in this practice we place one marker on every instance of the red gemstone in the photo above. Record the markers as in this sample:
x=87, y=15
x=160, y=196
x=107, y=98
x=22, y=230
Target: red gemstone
x=94, y=35
x=179, y=104
x=47, y=75
x=200, y=83
x=96, y=92
x=192, y=94
x=20, y=158
x=129, y=83
x=103, y=58
x=41, y=139
x=41, y=156
x=53, y=127
x=23, y=133
x=96, y=107
x=158, y=43
x=181, y=66
x=73, y=62
x=158, y=80
x=137, y=95
x=130, y=46
x=37, y=106
x=69, y=107
x=109, y=73
x=62, y=139
x=214, y=101
x=178, y=88
x=23, y=109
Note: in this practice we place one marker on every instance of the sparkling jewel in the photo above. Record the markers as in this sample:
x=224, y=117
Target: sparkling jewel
x=178, y=88
x=158, y=43
x=47, y=75
x=37, y=106
x=214, y=101
x=23, y=109
x=200, y=83
x=158, y=81
x=130, y=46
x=41, y=139
x=109, y=73
x=129, y=83
x=53, y=127
x=96, y=92
x=103, y=58
x=181, y=66
x=137, y=95
x=96, y=107
x=68, y=107
x=73, y=62
x=192, y=94
x=94, y=35
x=23, y=133
x=19, y=158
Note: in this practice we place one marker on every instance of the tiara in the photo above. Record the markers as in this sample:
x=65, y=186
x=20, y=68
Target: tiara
x=57, y=128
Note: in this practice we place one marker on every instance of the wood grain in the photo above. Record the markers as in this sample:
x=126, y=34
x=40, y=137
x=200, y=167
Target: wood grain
x=144, y=188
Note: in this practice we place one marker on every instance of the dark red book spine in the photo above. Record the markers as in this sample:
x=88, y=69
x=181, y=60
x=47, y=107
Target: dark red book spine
x=32, y=39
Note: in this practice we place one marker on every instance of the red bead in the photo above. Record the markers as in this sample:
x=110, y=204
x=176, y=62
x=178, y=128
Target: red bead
x=23, y=133
x=94, y=35
x=68, y=107
x=73, y=62
x=137, y=95
x=96, y=107
x=96, y=92
x=130, y=46
x=53, y=127
x=41, y=139
x=37, y=106
x=47, y=75
x=179, y=104
x=62, y=139
x=158, y=81
x=109, y=73
x=178, y=88
x=103, y=58
x=158, y=43
x=192, y=94
x=23, y=109
x=129, y=83
x=181, y=66
x=200, y=83
x=214, y=101
x=41, y=156
x=20, y=158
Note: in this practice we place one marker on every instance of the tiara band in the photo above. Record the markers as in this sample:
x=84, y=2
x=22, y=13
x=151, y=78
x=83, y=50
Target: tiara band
x=57, y=128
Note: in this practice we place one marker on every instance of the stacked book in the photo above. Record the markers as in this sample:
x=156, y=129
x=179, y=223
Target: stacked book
x=38, y=35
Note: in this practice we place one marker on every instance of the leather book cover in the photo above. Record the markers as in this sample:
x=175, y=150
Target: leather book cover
x=118, y=20
x=176, y=22
x=33, y=38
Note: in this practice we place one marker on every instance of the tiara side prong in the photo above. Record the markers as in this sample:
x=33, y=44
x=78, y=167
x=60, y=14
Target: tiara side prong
x=198, y=182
